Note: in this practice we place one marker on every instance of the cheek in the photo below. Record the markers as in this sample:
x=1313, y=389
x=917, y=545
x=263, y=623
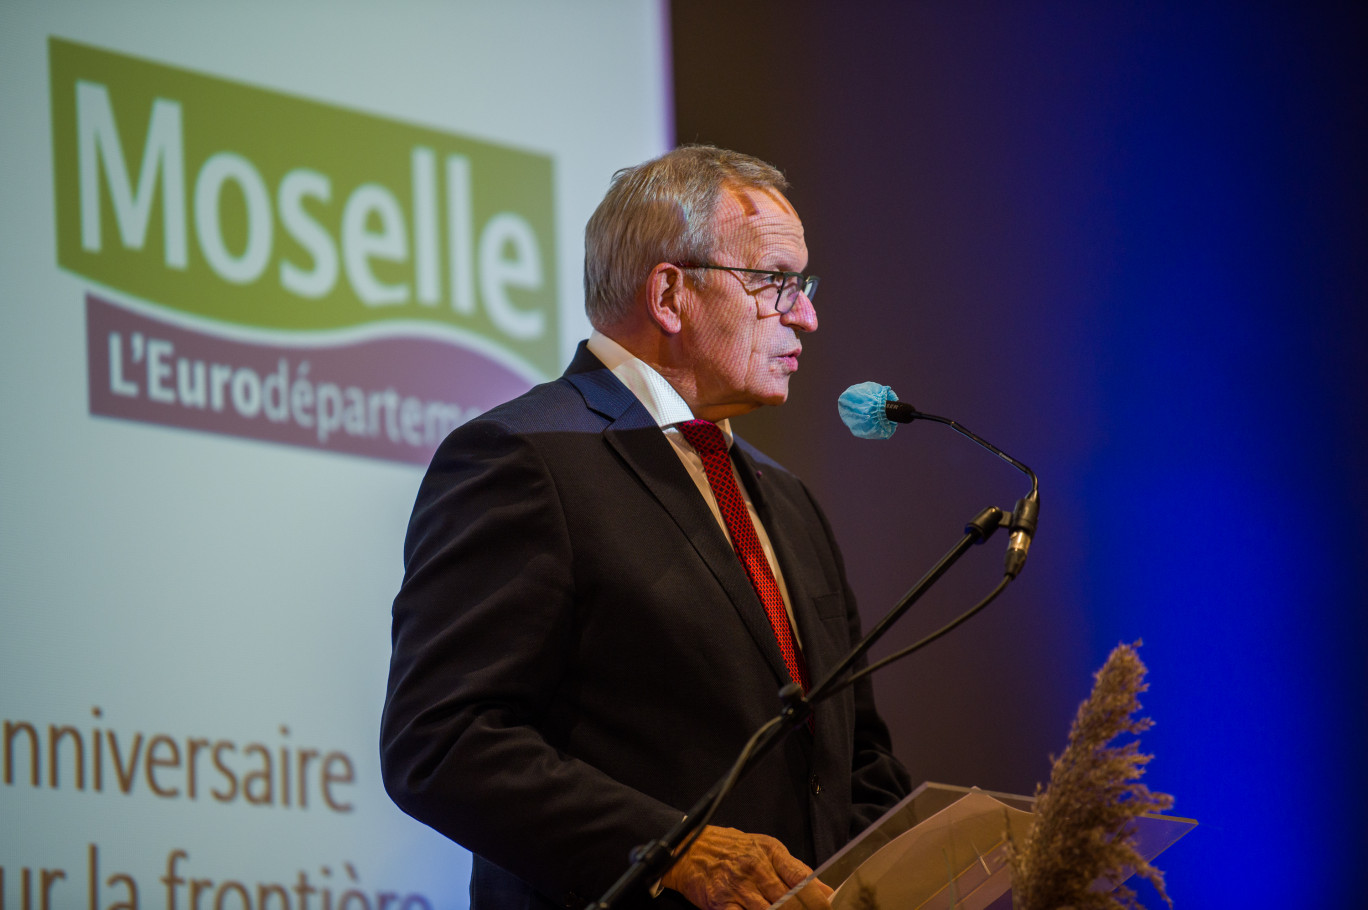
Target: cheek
x=752, y=350
x=733, y=361
x=729, y=350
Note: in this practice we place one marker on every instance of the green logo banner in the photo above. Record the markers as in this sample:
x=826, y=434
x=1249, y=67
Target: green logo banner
x=261, y=209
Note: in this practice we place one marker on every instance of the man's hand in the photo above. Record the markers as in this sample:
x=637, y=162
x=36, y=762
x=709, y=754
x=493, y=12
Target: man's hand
x=727, y=869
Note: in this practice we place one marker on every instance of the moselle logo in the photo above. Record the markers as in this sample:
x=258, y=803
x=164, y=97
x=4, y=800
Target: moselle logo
x=291, y=270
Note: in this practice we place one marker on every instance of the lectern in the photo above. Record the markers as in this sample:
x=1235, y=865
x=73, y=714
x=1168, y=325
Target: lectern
x=945, y=848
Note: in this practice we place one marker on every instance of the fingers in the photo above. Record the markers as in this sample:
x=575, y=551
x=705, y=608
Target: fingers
x=789, y=869
x=727, y=869
x=813, y=896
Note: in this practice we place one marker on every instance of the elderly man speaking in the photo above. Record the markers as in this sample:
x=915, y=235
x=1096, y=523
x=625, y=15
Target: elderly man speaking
x=604, y=588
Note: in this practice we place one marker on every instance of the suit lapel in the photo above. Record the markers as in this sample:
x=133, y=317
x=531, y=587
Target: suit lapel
x=636, y=438
x=788, y=527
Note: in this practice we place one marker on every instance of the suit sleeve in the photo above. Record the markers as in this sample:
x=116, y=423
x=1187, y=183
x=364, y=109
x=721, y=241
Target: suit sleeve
x=483, y=628
x=878, y=779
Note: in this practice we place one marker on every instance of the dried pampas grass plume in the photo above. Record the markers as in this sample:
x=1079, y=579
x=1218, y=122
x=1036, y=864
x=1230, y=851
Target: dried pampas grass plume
x=1082, y=819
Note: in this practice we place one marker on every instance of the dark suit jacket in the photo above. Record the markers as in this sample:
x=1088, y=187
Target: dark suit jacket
x=579, y=655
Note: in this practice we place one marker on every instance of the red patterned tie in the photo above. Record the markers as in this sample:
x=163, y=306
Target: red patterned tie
x=707, y=439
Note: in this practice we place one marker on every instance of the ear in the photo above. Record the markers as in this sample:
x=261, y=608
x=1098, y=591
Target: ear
x=665, y=293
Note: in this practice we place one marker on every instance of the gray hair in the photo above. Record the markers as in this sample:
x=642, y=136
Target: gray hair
x=659, y=211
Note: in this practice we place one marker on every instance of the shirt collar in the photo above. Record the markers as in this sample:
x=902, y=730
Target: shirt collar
x=656, y=394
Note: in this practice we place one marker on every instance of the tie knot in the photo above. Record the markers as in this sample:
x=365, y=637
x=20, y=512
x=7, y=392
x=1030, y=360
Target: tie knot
x=704, y=435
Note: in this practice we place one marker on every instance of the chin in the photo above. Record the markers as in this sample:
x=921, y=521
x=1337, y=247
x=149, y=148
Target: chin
x=774, y=397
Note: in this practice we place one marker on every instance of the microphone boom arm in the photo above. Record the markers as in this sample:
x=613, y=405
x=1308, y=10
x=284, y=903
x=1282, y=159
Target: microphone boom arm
x=1023, y=517
x=902, y=412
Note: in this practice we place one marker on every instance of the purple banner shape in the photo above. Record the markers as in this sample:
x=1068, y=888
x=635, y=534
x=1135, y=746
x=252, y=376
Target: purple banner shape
x=390, y=398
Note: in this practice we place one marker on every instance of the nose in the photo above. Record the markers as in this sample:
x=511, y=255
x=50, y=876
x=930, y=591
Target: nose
x=803, y=316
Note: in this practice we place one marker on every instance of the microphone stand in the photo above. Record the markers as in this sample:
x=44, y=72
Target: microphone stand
x=652, y=860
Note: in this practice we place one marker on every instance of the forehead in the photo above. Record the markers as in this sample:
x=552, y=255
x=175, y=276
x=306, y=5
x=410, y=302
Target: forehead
x=759, y=224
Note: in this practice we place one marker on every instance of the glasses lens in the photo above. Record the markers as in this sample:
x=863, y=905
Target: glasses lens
x=788, y=294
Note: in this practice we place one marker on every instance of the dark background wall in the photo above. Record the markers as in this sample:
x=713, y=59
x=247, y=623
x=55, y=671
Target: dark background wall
x=1125, y=242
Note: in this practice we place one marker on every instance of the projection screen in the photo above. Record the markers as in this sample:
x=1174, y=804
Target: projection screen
x=258, y=259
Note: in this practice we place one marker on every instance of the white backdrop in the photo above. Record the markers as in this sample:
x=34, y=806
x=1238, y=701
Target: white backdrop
x=167, y=590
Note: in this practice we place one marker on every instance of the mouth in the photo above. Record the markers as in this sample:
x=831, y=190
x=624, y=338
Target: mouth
x=790, y=359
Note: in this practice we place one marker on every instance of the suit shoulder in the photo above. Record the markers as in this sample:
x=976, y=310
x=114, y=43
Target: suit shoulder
x=551, y=407
x=546, y=407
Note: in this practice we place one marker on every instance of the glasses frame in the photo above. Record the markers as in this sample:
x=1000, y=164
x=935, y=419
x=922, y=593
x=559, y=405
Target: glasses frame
x=807, y=284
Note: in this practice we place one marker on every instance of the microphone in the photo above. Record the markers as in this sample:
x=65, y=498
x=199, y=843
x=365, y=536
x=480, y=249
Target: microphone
x=873, y=411
x=1023, y=530
x=870, y=410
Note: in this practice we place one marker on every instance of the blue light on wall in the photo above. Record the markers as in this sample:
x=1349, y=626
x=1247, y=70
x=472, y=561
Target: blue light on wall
x=1229, y=406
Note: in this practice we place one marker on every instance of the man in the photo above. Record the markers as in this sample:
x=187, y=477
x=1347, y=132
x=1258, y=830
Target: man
x=595, y=615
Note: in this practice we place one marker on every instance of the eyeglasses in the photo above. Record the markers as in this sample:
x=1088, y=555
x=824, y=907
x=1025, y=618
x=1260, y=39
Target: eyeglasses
x=785, y=285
